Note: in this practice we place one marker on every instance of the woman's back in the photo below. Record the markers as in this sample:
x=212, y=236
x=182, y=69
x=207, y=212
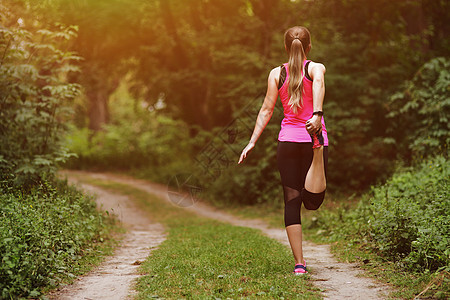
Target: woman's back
x=293, y=125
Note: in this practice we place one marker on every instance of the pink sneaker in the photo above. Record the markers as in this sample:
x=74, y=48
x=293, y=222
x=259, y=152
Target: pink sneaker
x=317, y=140
x=300, y=269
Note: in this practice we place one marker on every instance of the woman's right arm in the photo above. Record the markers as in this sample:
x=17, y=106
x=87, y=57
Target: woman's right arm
x=266, y=111
x=317, y=72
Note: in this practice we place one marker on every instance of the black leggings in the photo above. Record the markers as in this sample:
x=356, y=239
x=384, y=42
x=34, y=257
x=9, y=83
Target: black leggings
x=294, y=160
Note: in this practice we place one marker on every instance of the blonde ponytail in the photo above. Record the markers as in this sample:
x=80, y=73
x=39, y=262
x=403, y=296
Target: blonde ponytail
x=297, y=40
x=296, y=73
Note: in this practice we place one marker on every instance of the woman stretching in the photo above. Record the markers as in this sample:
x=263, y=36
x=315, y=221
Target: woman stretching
x=302, y=150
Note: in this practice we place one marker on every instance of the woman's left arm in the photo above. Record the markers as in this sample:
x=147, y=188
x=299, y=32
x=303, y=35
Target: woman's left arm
x=317, y=72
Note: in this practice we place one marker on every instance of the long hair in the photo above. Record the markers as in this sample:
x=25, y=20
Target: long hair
x=296, y=39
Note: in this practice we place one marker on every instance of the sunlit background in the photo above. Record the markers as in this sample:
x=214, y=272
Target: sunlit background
x=152, y=81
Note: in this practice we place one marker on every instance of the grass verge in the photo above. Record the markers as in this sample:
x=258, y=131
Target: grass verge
x=92, y=256
x=203, y=258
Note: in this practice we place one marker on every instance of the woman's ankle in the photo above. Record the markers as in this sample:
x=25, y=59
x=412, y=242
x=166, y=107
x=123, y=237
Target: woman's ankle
x=300, y=261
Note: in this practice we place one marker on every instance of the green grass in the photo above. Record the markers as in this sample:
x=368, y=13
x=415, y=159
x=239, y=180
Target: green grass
x=203, y=258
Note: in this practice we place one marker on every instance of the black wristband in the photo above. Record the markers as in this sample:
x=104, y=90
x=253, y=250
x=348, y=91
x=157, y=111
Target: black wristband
x=319, y=113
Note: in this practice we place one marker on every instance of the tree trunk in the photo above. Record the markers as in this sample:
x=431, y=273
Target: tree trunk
x=98, y=109
x=195, y=102
x=264, y=10
x=180, y=58
x=99, y=85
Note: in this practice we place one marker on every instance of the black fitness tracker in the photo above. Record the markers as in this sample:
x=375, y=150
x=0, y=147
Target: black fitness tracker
x=319, y=113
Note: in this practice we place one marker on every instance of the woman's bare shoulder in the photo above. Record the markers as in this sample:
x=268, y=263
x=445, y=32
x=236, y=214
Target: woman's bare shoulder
x=275, y=74
x=275, y=71
x=316, y=66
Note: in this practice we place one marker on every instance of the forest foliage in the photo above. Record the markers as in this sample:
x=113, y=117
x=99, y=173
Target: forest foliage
x=46, y=227
x=34, y=99
x=421, y=112
x=201, y=62
x=174, y=86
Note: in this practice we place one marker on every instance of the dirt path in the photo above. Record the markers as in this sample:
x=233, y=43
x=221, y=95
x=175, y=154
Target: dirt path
x=113, y=279
x=338, y=280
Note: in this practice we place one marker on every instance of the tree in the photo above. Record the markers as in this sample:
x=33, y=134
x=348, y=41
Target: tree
x=420, y=113
x=369, y=48
x=207, y=59
x=106, y=37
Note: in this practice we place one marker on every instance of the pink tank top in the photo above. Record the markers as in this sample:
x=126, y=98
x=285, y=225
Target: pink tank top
x=293, y=125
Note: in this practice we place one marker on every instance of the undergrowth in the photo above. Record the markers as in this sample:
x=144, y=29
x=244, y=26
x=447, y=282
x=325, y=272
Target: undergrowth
x=402, y=225
x=406, y=220
x=45, y=237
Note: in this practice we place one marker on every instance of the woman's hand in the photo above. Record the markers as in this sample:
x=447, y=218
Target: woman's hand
x=314, y=125
x=246, y=150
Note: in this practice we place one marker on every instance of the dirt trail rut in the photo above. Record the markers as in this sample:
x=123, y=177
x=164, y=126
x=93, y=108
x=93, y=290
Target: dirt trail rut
x=338, y=280
x=113, y=279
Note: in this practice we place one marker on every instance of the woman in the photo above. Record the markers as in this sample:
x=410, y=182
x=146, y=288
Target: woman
x=302, y=150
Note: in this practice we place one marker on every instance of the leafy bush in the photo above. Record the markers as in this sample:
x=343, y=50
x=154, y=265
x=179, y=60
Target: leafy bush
x=410, y=220
x=406, y=219
x=420, y=113
x=42, y=236
x=33, y=69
